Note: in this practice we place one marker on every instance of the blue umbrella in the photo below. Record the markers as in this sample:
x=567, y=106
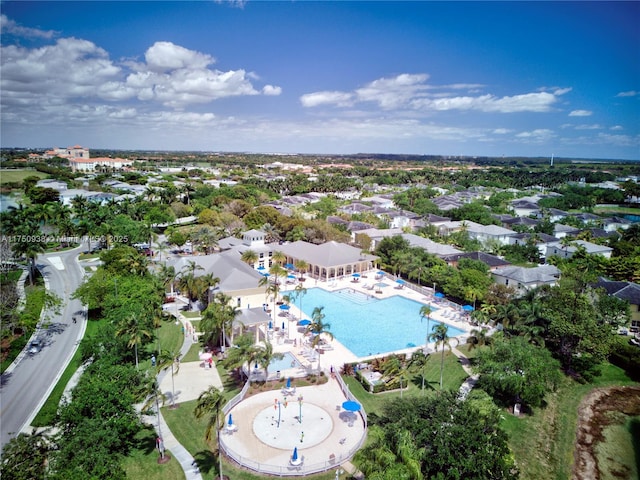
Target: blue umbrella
x=270, y=325
x=400, y=281
x=439, y=295
x=289, y=382
x=290, y=266
x=380, y=273
x=266, y=274
x=291, y=277
x=230, y=420
x=468, y=308
x=261, y=269
x=351, y=406
x=283, y=327
x=284, y=307
x=294, y=457
x=302, y=323
x=355, y=275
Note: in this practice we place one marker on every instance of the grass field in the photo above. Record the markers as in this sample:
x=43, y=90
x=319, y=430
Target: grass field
x=543, y=443
x=12, y=176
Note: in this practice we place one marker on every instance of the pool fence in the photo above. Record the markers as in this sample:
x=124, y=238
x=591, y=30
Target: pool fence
x=289, y=470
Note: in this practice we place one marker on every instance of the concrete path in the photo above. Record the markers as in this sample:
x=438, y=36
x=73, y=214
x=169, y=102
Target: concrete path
x=472, y=379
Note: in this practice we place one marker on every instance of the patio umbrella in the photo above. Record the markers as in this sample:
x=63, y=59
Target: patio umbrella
x=467, y=308
x=351, y=406
x=284, y=307
x=205, y=356
x=230, y=420
x=400, y=281
x=294, y=457
x=289, y=382
x=439, y=295
x=270, y=325
x=289, y=266
x=305, y=322
x=356, y=275
x=283, y=326
x=261, y=269
x=291, y=277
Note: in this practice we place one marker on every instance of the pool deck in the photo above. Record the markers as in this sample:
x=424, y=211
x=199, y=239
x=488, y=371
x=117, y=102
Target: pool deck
x=338, y=355
x=330, y=446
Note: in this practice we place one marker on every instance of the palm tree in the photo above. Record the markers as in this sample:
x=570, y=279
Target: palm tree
x=30, y=250
x=441, y=337
x=298, y=293
x=244, y=352
x=279, y=257
x=478, y=338
x=167, y=276
x=301, y=267
x=425, y=312
x=210, y=403
x=270, y=233
x=318, y=327
x=265, y=355
x=134, y=332
x=249, y=257
x=169, y=359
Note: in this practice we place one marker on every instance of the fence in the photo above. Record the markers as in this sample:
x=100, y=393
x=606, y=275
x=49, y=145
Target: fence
x=290, y=470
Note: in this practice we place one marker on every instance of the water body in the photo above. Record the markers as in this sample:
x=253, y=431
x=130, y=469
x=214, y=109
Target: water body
x=632, y=218
x=7, y=201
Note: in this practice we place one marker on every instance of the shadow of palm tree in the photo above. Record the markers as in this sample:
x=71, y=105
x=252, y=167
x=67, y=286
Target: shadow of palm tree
x=206, y=461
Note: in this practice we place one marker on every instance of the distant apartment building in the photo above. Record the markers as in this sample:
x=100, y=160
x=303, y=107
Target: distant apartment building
x=93, y=164
x=69, y=153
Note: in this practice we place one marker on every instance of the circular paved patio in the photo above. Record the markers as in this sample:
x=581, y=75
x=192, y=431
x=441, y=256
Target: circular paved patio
x=331, y=436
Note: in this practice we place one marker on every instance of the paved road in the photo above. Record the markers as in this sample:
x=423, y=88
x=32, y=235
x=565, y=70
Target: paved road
x=24, y=388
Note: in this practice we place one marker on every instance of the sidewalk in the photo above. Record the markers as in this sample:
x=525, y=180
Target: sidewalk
x=471, y=381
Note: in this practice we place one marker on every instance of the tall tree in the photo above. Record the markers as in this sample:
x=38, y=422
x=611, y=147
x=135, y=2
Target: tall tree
x=210, y=403
x=440, y=335
x=318, y=328
x=134, y=332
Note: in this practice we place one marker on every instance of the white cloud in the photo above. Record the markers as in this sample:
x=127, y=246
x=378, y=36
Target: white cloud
x=594, y=126
x=166, y=56
x=35, y=81
x=529, y=102
x=340, y=99
x=271, y=90
x=411, y=91
x=580, y=113
x=539, y=135
x=630, y=93
x=9, y=26
x=617, y=127
x=393, y=92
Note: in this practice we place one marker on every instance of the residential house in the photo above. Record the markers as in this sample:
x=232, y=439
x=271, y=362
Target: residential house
x=627, y=291
x=487, y=234
x=562, y=251
x=438, y=249
x=491, y=261
x=523, y=279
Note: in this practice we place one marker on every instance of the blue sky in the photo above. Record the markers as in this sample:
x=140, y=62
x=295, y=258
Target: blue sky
x=450, y=78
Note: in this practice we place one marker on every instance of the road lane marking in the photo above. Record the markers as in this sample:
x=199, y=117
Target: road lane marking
x=57, y=263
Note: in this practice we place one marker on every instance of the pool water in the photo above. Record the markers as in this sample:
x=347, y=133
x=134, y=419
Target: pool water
x=376, y=326
x=285, y=363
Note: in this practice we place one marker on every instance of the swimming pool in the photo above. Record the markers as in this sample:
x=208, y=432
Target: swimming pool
x=289, y=361
x=375, y=326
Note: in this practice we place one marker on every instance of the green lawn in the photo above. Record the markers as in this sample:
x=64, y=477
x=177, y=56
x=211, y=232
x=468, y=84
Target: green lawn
x=11, y=176
x=543, y=442
x=142, y=462
x=453, y=377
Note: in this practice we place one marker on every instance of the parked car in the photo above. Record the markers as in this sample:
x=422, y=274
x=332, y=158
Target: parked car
x=35, y=346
